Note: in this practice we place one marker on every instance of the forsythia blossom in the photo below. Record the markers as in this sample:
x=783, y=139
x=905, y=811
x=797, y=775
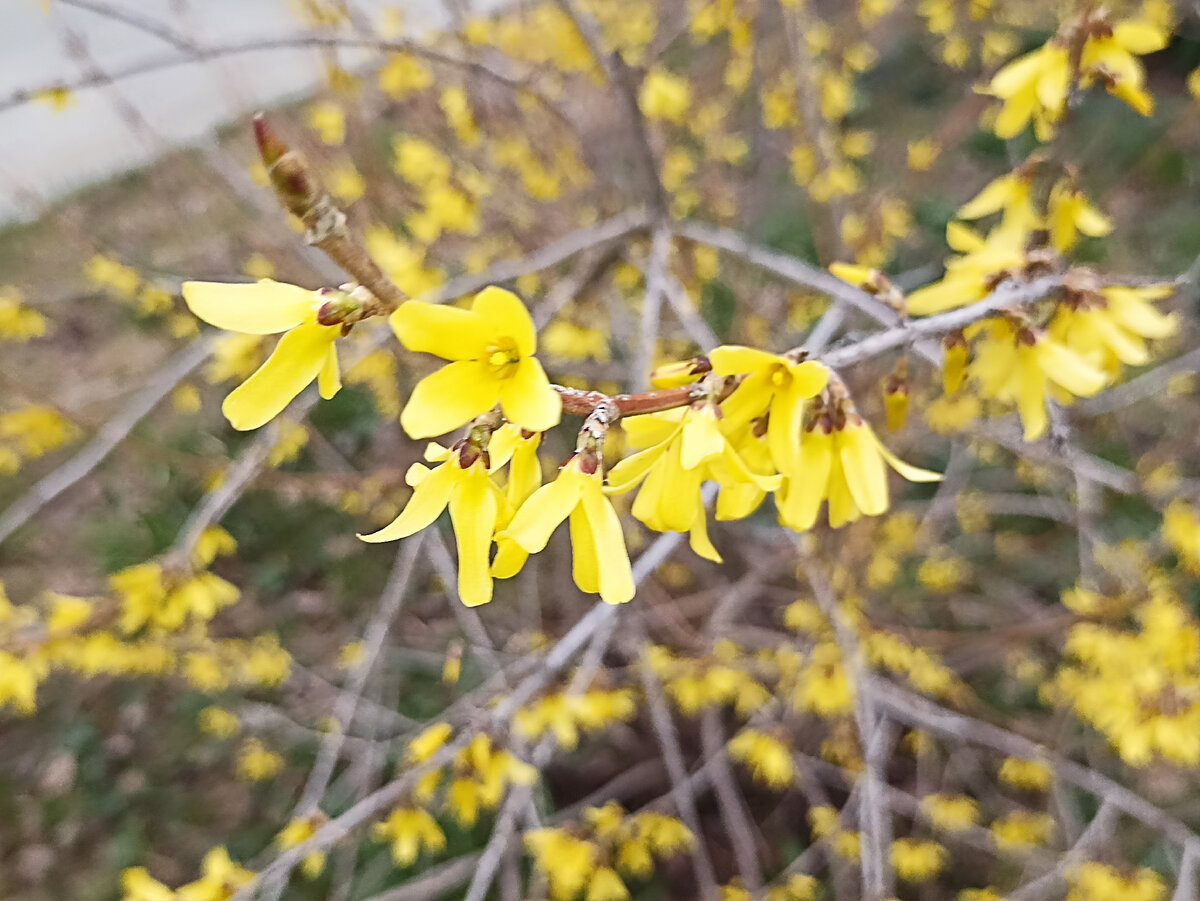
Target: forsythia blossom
x=491, y=350
x=304, y=353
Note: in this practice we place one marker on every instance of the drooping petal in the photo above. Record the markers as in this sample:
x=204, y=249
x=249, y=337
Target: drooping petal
x=295, y=362
x=448, y=332
x=627, y=473
x=698, y=539
x=541, y=514
x=863, y=469
x=509, y=559
x=473, y=512
x=585, y=564
x=842, y=508
x=1130, y=307
x=785, y=425
x=1031, y=393
x=748, y=401
x=329, y=379
x=615, y=573
x=449, y=398
x=994, y=197
x=527, y=398
x=800, y=502
x=907, y=470
x=506, y=316
x=255, y=308
x=428, y=500
x=1016, y=75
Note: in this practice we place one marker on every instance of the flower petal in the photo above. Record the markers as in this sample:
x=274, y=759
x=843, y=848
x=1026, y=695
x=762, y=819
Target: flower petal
x=449, y=398
x=541, y=514
x=615, y=572
x=506, y=316
x=527, y=398
x=448, y=332
x=734, y=359
x=255, y=308
x=863, y=468
x=329, y=379
x=585, y=564
x=428, y=500
x=295, y=362
x=698, y=539
x=473, y=512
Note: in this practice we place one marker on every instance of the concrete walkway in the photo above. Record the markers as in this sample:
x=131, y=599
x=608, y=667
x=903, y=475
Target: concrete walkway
x=44, y=154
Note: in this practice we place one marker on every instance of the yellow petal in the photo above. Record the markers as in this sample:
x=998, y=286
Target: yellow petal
x=585, y=564
x=802, y=496
x=1067, y=368
x=510, y=558
x=329, y=379
x=527, y=398
x=449, y=398
x=733, y=359
x=1132, y=311
x=784, y=427
x=699, y=542
x=1140, y=36
x=428, y=500
x=473, y=512
x=910, y=472
x=1015, y=115
x=258, y=308
x=1031, y=393
x=633, y=469
x=506, y=316
x=862, y=465
x=842, y=508
x=444, y=331
x=963, y=238
x=295, y=362
x=541, y=514
x=1016, y=75
x=748, y=401
x=994, y=197
x=701, y=438
x=616, y=575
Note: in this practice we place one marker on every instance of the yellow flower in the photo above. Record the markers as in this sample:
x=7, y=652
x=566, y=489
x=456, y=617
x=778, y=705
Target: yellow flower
x=1033, y=86
x=1110, y=57
x=843, y=461
x=461, y=483
x=953, y=813
x=138, y=885
x=769, y=759
x=1022, y=828
x=1029, y=774
x=664, y=95
x=916, y=860
x=1029, y=367
x=410, y=830
x=425, y=745
x=218, y=722
x=600, y=560
x=491, y=347
x=772, y=385
x=304, y=353
x=296, y=833
x=1100, y=882
x=221, y=880
x=18, y=322
x=1069, y=213
x=256, y=763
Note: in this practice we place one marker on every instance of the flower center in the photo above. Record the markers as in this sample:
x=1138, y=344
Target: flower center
x=503, y=357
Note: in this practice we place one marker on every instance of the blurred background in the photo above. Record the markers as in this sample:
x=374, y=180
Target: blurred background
x=465, y=138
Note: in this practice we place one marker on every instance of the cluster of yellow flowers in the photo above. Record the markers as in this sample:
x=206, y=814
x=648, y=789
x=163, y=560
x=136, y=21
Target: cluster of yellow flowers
x=1090, y=49
x=594, y=858
x=1138, y=686
x=566, y=715
x=30, y=432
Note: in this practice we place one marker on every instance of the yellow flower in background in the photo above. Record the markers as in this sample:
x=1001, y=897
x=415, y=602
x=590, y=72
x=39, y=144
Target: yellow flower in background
x=665, y=96
x=768, y=758
x=1029, y=368
x=296, y=833
x=491, y=350
x=772, y=384
x=138, y=885
x=461, y=483
x=1069, y=214
x=600, y=560
x=306, y=352
x=1032, y=87
x=410, y=831
x=18, y=322
x=917, y=860
x=222, y=878
x=1111, y=57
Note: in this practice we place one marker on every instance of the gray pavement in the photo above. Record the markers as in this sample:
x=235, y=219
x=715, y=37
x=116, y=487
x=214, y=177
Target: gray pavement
x=44, y=154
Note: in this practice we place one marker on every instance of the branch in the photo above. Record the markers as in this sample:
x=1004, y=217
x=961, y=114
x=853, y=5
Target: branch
x=113, y=432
